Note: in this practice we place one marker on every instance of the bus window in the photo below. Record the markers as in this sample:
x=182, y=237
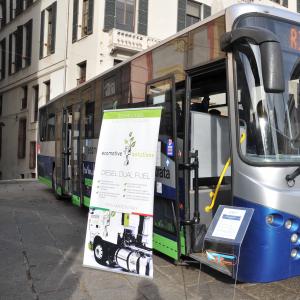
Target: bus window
x=51, y=127
x=89, y=119
x=43, y=124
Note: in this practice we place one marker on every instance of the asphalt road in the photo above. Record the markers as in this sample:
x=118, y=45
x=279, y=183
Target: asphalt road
x=41, y=251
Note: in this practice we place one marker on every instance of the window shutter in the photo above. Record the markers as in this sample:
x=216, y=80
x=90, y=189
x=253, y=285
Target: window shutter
x=28, y=42
x=75, y=20
x=206, y=11
x=10, y=10
x=53, y=22
x=9, y=54
x=42, y=34
x=90, y=17
x=181, y=14
x=19, y=48
x=3, y=56
x=22, y=139
x=19, y=6
x=109, y=19
x=143, y=17
x=3, y=20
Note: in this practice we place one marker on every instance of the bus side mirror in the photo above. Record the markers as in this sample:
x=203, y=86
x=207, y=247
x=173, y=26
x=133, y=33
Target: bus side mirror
x=271, y=55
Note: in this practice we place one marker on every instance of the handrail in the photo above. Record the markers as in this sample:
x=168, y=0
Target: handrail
x=213, y=195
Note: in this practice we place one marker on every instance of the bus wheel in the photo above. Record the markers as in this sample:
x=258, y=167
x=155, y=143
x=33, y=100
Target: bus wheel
x=100, y=251
x=54, y=184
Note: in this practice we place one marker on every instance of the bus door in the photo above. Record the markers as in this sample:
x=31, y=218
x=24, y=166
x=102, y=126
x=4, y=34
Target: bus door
x=76, y=164
x=66, y=151
x=166, y=207
x=209, y=134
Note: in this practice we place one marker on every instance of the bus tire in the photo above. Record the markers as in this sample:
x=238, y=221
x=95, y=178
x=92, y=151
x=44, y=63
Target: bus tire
x=54, y=184
x=101, y=251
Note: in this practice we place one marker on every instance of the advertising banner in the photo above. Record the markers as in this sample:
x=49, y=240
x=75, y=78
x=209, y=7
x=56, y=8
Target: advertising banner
x=120, y=221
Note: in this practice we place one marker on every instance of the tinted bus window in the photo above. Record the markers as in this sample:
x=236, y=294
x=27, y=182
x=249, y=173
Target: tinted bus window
x=51, y=127
x=43, y=124
x=89, y=119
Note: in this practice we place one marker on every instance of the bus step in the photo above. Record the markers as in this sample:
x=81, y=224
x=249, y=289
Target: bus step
x=202, y=258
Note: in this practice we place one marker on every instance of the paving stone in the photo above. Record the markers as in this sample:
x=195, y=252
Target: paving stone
x=23, y=216
x=66, y=294
x=43, y=255
x=49, y=278
x=36, y=235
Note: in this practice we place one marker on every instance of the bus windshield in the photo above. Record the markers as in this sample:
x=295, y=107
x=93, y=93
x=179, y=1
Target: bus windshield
x=270, y=120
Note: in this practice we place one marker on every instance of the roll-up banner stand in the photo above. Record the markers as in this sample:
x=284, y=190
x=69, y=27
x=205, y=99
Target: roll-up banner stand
x=120, y=221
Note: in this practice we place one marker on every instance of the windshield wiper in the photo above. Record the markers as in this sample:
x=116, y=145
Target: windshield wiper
x=290, y=178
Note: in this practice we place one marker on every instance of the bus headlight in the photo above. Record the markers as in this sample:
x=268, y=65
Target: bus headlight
x=294, y=238
x=288, y=224
x=294, y=253
x=269, y=219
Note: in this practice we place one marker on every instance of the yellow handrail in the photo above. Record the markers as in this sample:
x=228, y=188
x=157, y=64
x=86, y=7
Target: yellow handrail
x=213, y=195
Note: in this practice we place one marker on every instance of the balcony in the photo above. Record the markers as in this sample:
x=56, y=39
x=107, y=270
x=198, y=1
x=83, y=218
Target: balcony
x=120, y=40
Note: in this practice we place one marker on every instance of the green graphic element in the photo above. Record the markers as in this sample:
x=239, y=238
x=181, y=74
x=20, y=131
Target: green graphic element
x=88, y=182
x=167, y=246
x=99, y=208
x=58, y=190
x=86, y=201
x=76, y=200
x=130, y=114
x=45, y=180
x=129, y=144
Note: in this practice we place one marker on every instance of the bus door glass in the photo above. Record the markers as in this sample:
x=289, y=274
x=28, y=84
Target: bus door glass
x=66, y=151
x=76, y=157
x=161, y=93
x=210, y=136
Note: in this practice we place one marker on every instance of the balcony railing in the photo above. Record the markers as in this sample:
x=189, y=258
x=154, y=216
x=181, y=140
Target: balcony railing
x=129, y=41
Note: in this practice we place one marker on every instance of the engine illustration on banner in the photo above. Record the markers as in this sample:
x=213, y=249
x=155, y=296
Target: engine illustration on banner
x=121, y=240
x=120, y=221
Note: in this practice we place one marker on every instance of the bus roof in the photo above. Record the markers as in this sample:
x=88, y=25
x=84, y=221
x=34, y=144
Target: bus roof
x=232, y=13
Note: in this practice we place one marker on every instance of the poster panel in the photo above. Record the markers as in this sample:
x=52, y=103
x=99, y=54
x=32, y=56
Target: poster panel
x=120, y=221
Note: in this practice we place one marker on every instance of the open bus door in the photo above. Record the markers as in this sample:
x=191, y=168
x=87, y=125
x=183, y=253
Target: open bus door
x=66, y=151
x=209, y=136
x=161, y=92
x=71, y=164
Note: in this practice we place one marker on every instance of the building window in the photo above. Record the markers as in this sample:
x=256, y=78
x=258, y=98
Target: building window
x=35, y=102
x=282, y=2
x=22, y=138
x=125, y=15
x=193, y=12
x=48, y=30
x=81, y=72
x=83, y=16
x=11, y=53
x=47, y=90
x=32, y=155
x=24, y=98
x=190, y=12
x=2, y=58
x=20, y=48
x=27, y=44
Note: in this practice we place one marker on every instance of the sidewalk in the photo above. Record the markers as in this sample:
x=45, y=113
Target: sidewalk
x=41, y=250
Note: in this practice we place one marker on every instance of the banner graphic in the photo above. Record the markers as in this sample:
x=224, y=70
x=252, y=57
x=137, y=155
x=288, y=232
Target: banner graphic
x=120, y=222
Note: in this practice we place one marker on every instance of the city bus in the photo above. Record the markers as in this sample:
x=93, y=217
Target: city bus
x=229, y=135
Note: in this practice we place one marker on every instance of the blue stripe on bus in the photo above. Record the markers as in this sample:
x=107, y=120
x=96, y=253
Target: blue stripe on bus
x=266, y=249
